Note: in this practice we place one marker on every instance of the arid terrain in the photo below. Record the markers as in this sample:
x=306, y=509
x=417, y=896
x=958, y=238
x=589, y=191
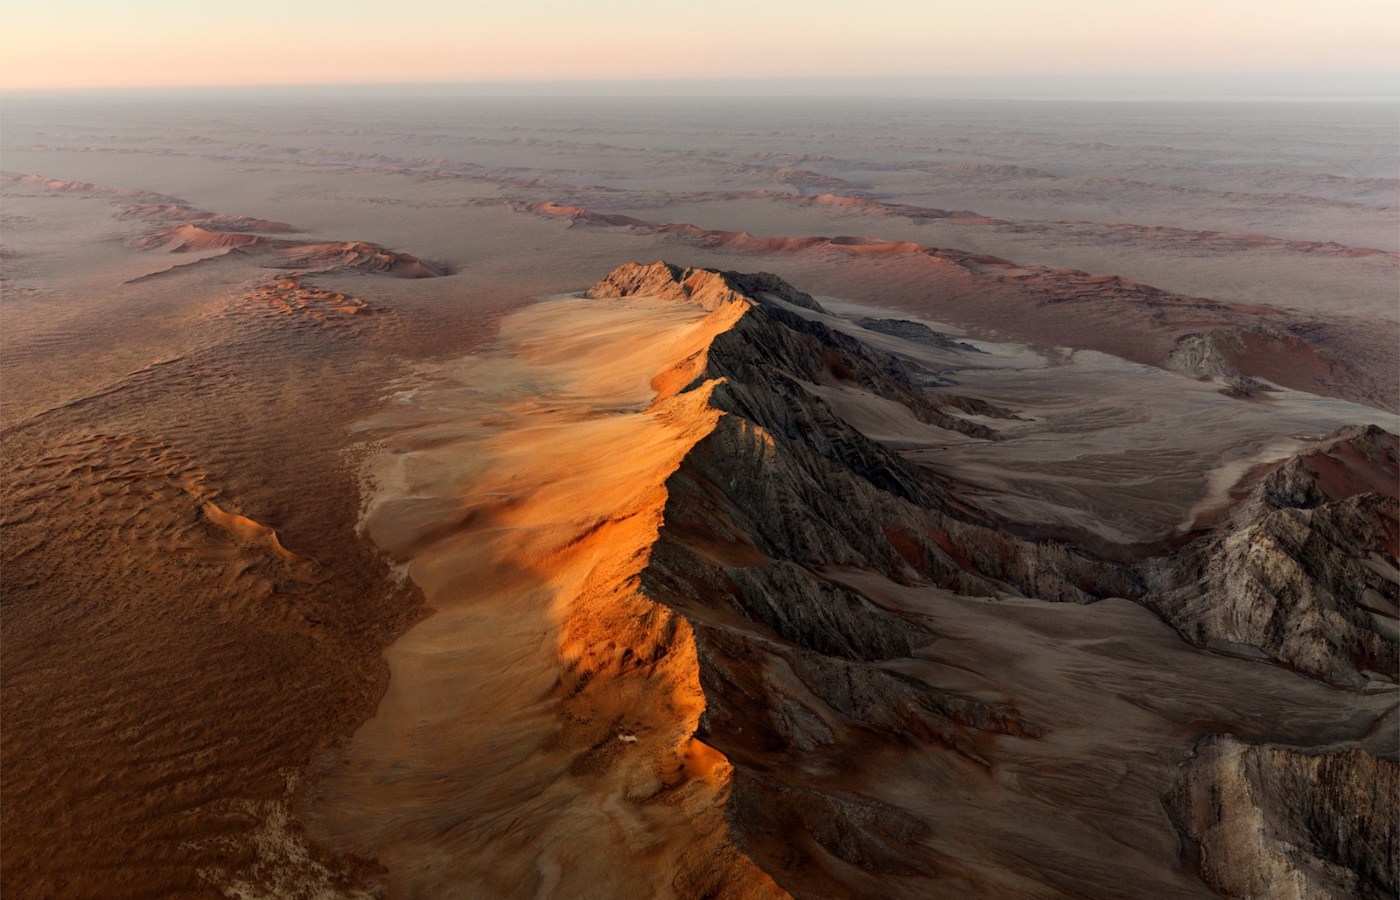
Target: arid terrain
x=457, y=497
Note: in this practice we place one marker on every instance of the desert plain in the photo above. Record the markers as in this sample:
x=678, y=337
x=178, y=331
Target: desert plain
x=483, y=497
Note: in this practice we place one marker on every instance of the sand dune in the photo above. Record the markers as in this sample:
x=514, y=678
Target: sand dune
x=193, y=238
x=1166, y=323
x=153, y=757
x=589, y=607
x=579, y=214
x=820, y=655
x=151, y=205
x=297, y=298
x=183, y=213
x=1220, y=241
x=43, y=183
x=179, y=538
x=531, y=573
x=355, y=255
x=204, y=232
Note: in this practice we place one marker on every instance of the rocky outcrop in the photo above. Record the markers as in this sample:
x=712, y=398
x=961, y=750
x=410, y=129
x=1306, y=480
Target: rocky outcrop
x=781, y=515
x=1266, y=353
x=763, y=515
x=706, y=287
x=1205, y=357
x=1305, y=571
x=1277, y=822
x=915, y=331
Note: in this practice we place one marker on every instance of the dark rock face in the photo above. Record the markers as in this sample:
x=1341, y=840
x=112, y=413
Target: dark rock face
x=760, y=519
x=1305, y=571
x=1277, y=822
x=779, y=341
x=915, y=331
x=869, y=835
x=771, y=515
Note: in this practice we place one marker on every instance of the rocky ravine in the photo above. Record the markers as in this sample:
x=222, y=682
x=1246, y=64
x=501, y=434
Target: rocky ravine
x=767, y=511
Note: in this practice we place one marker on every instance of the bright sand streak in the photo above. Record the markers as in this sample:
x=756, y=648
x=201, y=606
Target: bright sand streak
x=524, y=488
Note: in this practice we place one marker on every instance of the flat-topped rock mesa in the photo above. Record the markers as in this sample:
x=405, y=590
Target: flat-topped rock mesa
x=1305, y=571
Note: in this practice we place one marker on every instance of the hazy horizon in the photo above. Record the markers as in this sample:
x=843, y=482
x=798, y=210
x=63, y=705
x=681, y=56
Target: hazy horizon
x=1279, y=87
x=999, y=48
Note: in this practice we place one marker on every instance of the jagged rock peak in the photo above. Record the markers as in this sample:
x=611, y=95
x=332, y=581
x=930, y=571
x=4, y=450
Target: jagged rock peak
x=710, y=288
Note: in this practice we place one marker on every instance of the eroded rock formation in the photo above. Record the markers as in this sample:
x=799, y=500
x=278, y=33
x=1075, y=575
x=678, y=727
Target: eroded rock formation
x=766, y=511
x=1304, y=571
x=761, y=516
x=1277, y=822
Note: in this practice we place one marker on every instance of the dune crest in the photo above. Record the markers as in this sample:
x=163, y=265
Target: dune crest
x=192, y=238
x=218, y=235
x=180, y=212
x=534, y=568
x=244, y=529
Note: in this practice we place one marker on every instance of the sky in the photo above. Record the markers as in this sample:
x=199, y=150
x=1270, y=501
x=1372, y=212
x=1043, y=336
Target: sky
x=1325, y=45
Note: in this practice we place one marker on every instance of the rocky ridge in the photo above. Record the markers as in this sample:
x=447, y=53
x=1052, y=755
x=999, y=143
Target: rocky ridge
x=760, y=518
x=772, y=505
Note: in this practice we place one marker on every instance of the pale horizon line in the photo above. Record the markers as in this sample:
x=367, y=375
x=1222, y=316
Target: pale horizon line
x=1293, y=86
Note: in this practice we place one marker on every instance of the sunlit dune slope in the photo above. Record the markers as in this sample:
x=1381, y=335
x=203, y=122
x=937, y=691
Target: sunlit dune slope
x=679, y=600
